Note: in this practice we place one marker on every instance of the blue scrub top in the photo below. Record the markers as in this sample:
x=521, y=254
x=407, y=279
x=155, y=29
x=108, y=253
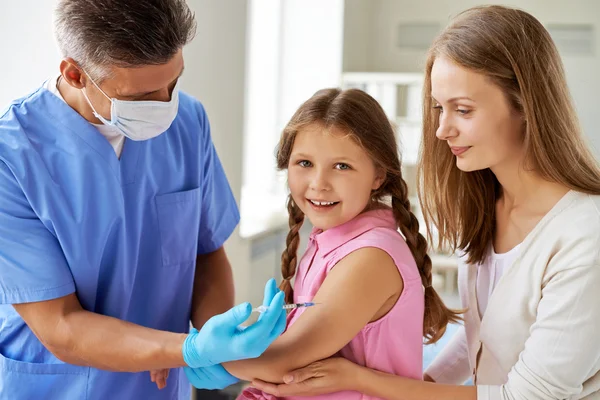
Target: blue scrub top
x=121, y=233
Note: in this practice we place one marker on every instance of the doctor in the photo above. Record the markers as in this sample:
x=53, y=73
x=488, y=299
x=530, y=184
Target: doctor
x=114, y=209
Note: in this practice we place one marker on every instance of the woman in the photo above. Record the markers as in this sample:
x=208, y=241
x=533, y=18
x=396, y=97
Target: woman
x=507, y=180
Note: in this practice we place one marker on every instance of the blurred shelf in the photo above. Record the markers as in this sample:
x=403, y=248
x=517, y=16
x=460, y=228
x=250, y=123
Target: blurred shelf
x=446, y=267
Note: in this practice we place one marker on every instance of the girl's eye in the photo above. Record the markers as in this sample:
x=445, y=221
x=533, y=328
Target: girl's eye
x=304, y=163
x=439, y=108
x=342, y=166
x=462, y=111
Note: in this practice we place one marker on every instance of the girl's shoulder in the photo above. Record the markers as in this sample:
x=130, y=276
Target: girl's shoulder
x=389, y=240
x=386, y=240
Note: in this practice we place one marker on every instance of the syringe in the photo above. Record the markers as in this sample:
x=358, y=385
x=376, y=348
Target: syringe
x=262, y=309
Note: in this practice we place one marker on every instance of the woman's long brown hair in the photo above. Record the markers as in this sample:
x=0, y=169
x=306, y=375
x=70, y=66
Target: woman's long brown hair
x=357, y=113
x=515, y=52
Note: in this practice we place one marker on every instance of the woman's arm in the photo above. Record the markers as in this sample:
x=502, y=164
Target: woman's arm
x=562, y=351
x=350, y=297
x=452, y=363
x=560, y=355
x=337, y=374
x=392, y=387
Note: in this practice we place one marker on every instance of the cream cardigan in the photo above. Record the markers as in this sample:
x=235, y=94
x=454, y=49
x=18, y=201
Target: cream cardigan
x=539, y=338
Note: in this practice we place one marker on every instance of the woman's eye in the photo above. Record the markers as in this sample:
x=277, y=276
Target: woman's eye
x=463, y=111
x=439, y=108
x=342, y=166
x=304, y=163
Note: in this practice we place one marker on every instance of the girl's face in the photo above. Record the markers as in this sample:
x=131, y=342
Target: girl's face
x=476, y=120
x=330, y=176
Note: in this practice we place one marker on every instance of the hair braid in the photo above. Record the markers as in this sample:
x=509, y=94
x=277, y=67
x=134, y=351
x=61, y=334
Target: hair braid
x=289, y=257
x=437, y=315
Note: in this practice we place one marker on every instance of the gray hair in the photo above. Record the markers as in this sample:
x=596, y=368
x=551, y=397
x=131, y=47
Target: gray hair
x=100, y=34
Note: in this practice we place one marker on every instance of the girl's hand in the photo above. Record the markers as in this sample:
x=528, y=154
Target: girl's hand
x=321, y=377
x=159, y=376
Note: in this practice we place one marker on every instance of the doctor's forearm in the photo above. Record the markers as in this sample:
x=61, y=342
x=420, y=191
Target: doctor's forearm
x=213, y=287
x=111, y=344
x=80, y=337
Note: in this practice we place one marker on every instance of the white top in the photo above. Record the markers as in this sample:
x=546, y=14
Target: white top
x=489, y=273
x=538, y=338
x=114, y=137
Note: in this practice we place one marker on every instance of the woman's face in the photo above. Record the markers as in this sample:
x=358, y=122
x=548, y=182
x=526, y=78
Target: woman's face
x=476, y=119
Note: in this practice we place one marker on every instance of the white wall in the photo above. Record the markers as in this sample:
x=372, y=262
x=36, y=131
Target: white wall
x=29, y=55
x=312, y=51
x=381, y=18
x=358, y=32
x=215, y=74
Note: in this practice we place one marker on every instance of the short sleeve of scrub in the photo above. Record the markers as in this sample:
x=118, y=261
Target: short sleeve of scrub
x=32, y=264
x=219, y=214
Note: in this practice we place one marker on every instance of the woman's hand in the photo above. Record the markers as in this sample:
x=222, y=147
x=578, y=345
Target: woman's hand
x=321, y=377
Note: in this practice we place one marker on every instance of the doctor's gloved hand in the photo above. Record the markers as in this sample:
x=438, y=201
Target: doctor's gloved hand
x=213, y=377
x=222, y=339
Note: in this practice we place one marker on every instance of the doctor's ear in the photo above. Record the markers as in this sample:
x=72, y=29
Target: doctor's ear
x=71, y=73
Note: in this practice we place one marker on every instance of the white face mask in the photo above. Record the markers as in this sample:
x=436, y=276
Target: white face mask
x=140, y=120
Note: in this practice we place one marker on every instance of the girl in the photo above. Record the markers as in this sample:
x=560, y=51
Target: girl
x=372, y=286
x=507, y=179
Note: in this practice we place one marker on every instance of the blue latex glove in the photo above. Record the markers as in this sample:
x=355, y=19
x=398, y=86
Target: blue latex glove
x=213, y=377
x=222, y=339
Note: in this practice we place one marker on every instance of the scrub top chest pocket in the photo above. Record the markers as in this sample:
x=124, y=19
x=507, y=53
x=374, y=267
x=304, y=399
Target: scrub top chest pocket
x=178, y=224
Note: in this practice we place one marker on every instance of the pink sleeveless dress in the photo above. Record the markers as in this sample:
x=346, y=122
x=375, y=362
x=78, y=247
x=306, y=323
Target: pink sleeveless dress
x=392, y=344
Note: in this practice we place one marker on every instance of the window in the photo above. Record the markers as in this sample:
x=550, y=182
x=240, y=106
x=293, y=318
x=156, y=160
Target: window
x=294, y=49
